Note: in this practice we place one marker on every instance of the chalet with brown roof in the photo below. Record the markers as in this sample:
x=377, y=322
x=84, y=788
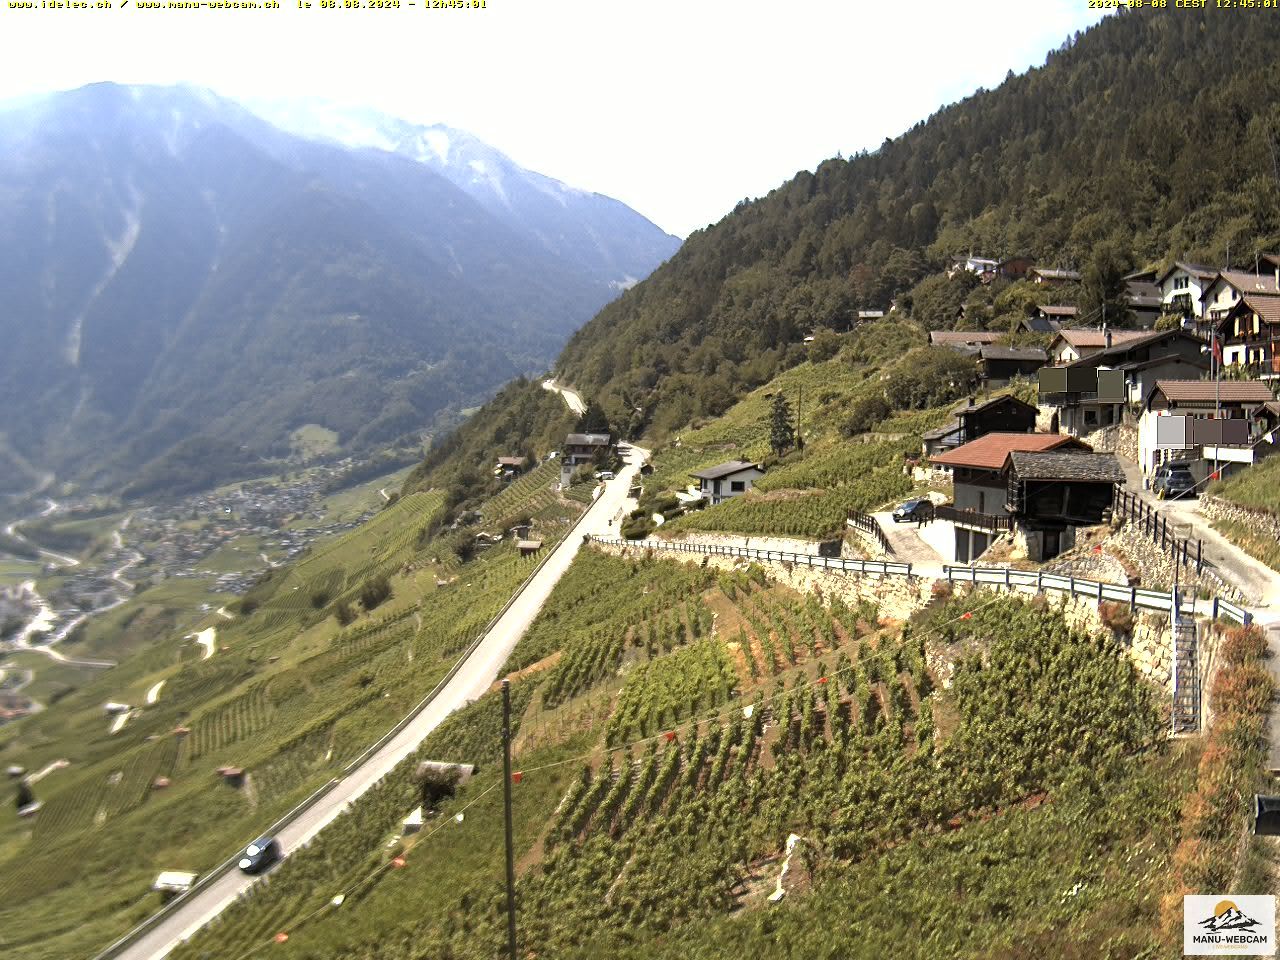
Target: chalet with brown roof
x=1218, y=426
x=1068, y=346
x=1249, y=334
x=978, y=508
x=1229, y=286
x=999, y=364
x=1005, y=414
x=1092, y=392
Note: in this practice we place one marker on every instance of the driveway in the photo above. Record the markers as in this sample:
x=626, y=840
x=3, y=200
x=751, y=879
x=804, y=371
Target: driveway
x=470, y=682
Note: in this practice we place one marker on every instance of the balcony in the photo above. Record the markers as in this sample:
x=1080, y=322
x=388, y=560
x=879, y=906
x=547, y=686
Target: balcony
x=972, y=518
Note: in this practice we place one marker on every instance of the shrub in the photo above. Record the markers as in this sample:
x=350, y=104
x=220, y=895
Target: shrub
x=1116, y=617
x=344, y=613
x=1242, y=644
x=864, y=413
x=374, y=592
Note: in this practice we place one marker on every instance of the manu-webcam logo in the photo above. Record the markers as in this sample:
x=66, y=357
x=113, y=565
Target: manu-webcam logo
x=1228, y=925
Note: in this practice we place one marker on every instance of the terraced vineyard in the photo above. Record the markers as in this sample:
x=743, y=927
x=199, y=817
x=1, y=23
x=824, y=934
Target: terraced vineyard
x=848, y=740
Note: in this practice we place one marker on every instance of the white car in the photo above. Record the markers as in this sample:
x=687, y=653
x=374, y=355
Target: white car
x=604, y=475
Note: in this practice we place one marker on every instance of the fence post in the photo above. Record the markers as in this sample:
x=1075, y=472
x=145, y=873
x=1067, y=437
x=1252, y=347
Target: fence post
x=1133, y=599
x=1071, y=584
x=1039, y=581
x=1215, y=607
x=1199, y=556
x=1099, y=593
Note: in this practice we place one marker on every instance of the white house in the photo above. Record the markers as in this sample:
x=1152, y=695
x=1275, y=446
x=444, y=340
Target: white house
x=1247, y=405
x=1068, y=346
x=1182, y=287
x=732, y=479
x=1230, y=285
x=978, y=265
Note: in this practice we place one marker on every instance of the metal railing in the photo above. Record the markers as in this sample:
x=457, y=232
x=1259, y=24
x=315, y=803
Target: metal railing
x=773, y=556
x=1135, y=597
x=870, y=525
x=1155, y=527
x=987, y=521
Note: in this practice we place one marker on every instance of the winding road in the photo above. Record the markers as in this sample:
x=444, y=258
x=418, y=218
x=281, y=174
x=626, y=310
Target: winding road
x=472, y=679
x=571, y=397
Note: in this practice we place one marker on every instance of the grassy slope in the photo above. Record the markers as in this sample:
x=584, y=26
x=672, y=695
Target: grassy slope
x=289, y=695
x=1254, y=488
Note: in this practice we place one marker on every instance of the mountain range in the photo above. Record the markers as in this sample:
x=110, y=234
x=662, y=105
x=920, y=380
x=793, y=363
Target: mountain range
x=185, y=284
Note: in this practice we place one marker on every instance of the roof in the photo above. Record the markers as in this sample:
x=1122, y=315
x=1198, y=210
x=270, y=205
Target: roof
x=946, y=338
x=528, y=544
x=1066, y=465
x=511, y=461
x=1112, y=354
x=993, y=352
x=998, y=401
x=1250, y=282
x=1052, y=273
x=937, y=433
x=588, y=439
x=1058, y=310
x=1097, y=338
x=724, y=470
x=1197, y=362
x=1266, y=307
x=1039, y=324
x=1199, y=270
x=1207, y=391
x=990, y=451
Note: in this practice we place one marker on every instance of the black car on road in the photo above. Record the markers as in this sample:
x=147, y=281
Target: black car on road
x=1173, y=480
x=918, y=510
x=259, y=855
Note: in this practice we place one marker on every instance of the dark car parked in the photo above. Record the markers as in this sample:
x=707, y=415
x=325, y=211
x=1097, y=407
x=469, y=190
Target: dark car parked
x=917, y=510
x=259, y=855
x=1173, y=480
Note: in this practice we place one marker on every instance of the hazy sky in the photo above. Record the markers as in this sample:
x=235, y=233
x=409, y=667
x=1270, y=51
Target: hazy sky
x=678, y=109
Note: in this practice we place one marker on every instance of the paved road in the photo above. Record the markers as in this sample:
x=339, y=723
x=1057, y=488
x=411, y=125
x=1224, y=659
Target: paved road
x=908, y=542
x=571, y=397
x=469, y=683
x=1255, y=579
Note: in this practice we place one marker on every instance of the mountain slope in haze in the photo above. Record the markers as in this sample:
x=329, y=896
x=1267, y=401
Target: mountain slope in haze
x=185, y=284
x=1156, y=134
x=597, y=232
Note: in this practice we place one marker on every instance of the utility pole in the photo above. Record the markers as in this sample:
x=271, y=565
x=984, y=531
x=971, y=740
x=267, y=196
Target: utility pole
x=506, y=804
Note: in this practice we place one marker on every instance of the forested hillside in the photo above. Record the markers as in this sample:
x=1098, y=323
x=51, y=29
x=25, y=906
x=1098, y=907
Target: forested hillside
x=1154, y=134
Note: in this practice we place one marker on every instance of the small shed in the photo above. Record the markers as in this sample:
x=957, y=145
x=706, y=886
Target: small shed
x=412, y=823
x=173, y=883
x=528, y=548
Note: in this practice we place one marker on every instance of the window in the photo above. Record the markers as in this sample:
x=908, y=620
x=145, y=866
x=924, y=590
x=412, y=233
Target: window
x=737, y=486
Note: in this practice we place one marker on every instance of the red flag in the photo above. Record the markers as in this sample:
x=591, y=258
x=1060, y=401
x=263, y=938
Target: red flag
x=822, y=679
x=398, y=862
x=517, y=776
x=670, y=735
x=281, y=937
x=967, y=615
x=1217, y=350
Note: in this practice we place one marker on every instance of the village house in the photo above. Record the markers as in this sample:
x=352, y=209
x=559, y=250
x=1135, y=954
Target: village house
x=1230, y=285
x=1146, y=303
x=1051, y=493
x=720, y=483
x=972, y=264
x=1249, y=334
x=1052, y=276
x=1091, y=393
x=1182, y=287
x=978, y=508
x=509, y=467
x=582, y=448
x=1224, y=425
x=1014, y=268
x=1000, y=364
x=1003, y=414
x=1068, y=346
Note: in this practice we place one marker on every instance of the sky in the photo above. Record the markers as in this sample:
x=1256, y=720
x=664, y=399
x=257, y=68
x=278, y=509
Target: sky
x=679, y=109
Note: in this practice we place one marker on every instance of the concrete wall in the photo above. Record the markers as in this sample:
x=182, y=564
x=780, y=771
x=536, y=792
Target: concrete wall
x=1216, y=508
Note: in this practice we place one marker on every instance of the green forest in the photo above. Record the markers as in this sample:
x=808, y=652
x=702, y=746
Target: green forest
x=1118, y=144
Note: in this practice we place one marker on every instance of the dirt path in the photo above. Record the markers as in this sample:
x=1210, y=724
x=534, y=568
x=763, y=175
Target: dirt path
x=571, y=397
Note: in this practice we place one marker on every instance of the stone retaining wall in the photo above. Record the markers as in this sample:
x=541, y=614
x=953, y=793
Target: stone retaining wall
x=1215, y=508
x=1149, y=643
x=1121, y=438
